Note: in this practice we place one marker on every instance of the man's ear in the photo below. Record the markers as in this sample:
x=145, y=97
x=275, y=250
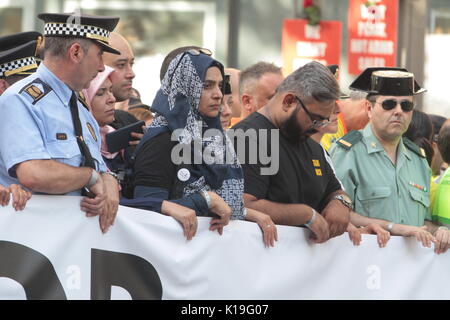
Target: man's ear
x=368, y=107
x=3, y=86
x=246, y=101
x=289, y=101
x=76, y=52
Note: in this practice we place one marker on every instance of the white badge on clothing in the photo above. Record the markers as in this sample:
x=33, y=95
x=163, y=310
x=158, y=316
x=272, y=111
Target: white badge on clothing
x=183, y=174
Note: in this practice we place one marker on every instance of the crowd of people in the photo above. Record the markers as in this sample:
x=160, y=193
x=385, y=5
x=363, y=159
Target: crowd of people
x=220, y=143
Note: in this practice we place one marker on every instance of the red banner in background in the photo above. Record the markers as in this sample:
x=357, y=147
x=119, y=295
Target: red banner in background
x=372, y=30
x=302, y=43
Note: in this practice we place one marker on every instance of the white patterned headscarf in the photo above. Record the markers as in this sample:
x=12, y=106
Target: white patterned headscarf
x=177, y=110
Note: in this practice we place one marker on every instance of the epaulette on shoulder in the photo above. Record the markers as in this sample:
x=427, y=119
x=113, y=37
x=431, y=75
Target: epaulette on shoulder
x=350, y=139
x=82, y=99
x=414, y=147
x=36, y=89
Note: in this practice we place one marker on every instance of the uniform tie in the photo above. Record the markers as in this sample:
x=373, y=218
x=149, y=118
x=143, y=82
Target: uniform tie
x=88, y=160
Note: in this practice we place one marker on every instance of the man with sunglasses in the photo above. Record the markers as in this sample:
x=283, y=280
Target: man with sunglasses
x=386, y=175
x=303, y=189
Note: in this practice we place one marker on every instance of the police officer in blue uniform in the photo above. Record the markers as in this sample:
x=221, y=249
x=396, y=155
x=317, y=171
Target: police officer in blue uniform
x=49, y=141
x=18, y=57
x=19, y=47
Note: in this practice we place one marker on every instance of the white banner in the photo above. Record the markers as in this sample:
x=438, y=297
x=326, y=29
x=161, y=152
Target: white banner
x=52, y=251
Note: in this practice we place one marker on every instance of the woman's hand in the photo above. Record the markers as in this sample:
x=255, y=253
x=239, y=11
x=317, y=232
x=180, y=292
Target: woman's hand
x=268, y=227
x=185, y=216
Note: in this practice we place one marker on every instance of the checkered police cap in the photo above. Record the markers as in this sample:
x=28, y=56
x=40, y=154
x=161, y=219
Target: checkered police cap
x=71, y=25
x=19, y=60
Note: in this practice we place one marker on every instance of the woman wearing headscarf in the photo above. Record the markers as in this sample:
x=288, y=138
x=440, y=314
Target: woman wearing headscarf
x=185, y=156
x=100, y=100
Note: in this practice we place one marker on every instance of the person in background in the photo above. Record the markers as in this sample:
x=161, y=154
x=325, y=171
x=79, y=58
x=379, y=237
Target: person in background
x=138, y=109
x=436, y=163
x=17, y=61
x=142, y=112
x=441, y=208
x=234, y=102
x=123, y=64
x=352, y=116
x=420, y=131
x=225, y=107
x=17, y=57
x=257, y=85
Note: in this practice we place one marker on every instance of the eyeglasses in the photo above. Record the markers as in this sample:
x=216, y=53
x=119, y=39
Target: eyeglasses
x=192, y=52
x=390, y=104
x=318, y=121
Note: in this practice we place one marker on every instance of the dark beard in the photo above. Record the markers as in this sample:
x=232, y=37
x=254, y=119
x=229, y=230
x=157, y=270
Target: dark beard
x=293, y=131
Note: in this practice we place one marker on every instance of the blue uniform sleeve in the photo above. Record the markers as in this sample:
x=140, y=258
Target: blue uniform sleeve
x=21, y=131
x=195, y=202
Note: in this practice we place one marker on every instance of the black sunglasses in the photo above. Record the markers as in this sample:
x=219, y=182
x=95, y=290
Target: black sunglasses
x=321, y=122
x=192, y=52
x=390, y=104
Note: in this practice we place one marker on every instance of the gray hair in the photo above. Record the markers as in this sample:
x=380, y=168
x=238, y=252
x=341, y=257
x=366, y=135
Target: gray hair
x=255, y=72
x=311, y=82
x=357, y=95
x=57, y=46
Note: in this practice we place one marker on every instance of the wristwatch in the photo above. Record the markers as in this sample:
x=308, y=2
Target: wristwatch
x=345, y=200
x=113, y=174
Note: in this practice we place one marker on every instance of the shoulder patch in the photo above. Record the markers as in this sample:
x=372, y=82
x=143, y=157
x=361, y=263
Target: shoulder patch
x=82, y=99
x=37, y=89
x=414, y=147
x=350, y=139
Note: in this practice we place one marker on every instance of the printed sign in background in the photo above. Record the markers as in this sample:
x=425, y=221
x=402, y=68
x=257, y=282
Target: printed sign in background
x=302, y=43
x=372, y=30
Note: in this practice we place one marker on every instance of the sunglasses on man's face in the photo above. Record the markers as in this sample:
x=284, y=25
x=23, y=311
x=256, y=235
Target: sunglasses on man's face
x=390, y=104
x=192, y=52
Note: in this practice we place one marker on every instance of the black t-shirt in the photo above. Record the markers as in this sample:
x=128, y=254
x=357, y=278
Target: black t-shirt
x=153, y=165
x=304, y=174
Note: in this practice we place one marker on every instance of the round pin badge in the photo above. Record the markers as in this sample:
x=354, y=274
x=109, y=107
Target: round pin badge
x=183, y=174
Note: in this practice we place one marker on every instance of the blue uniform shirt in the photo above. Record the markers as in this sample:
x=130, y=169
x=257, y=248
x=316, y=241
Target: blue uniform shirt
x=36, y=123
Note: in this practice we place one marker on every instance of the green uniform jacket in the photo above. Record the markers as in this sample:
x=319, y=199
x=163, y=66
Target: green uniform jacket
x=378, y=188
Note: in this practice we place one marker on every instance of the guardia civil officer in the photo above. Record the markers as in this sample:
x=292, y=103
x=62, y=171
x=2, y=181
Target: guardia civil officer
x=387, y=176
x=49, y=142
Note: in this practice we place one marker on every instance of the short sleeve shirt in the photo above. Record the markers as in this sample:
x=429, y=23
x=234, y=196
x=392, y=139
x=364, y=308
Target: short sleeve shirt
x=36, y=124
x=380, y=189
x=294, y=174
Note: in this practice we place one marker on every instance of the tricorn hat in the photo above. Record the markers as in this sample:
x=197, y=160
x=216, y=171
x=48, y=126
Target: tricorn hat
x=72, y=25
x=334, y=68
x=387, y=82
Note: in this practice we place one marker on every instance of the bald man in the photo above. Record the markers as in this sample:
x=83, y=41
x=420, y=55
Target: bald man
x=236, y=104
x=122, y=79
